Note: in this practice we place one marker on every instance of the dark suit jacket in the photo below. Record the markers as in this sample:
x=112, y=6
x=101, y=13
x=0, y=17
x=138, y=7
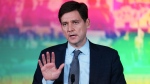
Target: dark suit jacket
x=105, y=65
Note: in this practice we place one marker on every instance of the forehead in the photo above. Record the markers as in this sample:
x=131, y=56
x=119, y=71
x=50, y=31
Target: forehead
x=73, y=15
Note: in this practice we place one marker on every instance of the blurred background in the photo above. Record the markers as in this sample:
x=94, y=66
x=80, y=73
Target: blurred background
x=28, y=26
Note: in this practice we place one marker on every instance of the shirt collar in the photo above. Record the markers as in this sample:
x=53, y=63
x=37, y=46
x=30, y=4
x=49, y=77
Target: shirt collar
x=84, y=49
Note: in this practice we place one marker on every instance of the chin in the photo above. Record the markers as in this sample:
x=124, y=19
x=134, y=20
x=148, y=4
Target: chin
x=73, y=42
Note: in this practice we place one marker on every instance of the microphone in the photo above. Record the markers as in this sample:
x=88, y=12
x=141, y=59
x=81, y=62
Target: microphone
x=72, y=78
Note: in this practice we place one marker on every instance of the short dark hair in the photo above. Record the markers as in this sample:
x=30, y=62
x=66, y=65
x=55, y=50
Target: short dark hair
x=71, y=6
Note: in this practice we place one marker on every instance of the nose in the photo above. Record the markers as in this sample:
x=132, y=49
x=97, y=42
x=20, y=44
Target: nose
x=70, y=28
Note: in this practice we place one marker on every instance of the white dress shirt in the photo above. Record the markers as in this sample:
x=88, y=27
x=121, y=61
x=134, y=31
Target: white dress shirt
x=84, y=60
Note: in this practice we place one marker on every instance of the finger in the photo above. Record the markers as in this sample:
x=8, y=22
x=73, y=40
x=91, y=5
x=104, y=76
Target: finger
x=53, y=57
x=61, y=67
x=48, y=57
x=40, y=63
x=43, y=59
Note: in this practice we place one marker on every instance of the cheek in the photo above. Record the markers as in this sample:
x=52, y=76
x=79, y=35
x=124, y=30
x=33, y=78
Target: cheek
x=65, y=34
x=82, y=31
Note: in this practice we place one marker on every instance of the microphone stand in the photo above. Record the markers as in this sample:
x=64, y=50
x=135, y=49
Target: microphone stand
x=72, y=78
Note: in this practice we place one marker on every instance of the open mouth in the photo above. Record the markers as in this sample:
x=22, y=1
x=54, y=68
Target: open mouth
x=72, y=36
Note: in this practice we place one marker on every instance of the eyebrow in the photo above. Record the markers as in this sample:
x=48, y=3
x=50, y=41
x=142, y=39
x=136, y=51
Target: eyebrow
x=75, y=20
x=71, y=21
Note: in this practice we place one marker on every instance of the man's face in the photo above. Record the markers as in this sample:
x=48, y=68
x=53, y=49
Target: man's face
x=74, y=28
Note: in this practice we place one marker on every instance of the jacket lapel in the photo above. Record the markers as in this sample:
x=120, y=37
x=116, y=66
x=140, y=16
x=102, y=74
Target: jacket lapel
x=94, y=62
x=61, y=52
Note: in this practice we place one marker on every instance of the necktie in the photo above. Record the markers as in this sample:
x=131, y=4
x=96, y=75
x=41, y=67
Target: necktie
x=74, y=69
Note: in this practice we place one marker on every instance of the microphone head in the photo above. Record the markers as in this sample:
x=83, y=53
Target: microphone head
x=72, y=78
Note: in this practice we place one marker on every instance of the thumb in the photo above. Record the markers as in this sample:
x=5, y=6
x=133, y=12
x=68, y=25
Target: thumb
x=61, y=67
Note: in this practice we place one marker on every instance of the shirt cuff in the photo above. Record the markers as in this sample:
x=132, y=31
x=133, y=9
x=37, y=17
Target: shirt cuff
x=47, y=81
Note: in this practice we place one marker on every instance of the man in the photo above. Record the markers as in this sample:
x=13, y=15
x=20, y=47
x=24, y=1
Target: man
x=97, y=64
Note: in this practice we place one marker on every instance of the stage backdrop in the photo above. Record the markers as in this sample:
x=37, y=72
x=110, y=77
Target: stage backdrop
x=28, y=26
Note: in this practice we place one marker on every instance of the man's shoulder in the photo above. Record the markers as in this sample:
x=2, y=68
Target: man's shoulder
x=104, y=51
x=102, y=47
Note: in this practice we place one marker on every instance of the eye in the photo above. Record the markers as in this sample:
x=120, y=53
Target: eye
x=64, y=24
x=76, y=22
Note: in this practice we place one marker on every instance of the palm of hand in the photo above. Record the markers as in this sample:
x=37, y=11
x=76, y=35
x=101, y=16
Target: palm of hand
x=49, y=71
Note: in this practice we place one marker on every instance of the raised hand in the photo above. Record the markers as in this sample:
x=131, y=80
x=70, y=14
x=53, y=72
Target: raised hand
x=49, y=70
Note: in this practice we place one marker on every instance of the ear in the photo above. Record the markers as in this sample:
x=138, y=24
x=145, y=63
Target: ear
x=88, y=23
